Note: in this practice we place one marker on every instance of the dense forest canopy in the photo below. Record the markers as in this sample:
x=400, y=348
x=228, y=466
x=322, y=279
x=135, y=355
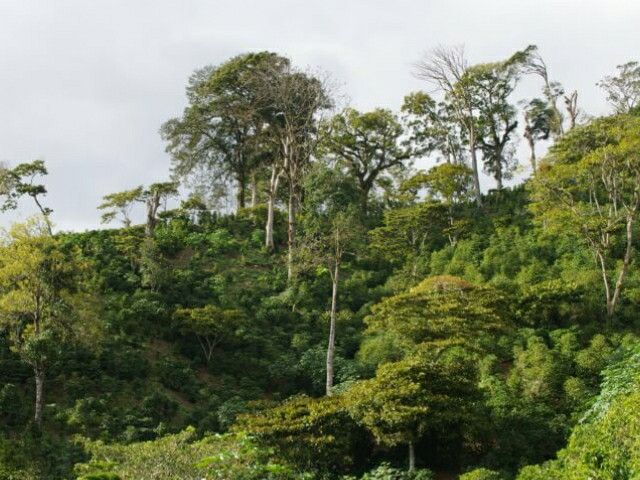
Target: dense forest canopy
x=353, y=317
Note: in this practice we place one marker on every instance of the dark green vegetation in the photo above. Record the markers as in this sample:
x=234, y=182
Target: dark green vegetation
x=351, y=318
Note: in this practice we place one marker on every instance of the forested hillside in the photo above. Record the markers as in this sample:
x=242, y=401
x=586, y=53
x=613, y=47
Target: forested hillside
x=322, y=293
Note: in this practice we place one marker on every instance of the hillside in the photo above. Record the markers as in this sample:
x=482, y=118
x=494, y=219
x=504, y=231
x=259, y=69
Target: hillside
x=351, y=317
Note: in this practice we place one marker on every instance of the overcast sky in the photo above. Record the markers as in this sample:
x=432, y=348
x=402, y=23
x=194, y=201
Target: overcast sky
x=85, y=84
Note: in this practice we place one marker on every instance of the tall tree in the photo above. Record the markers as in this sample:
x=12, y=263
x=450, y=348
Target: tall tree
x=120, y=203
x=538, y=121
x=366, y=145
x=491, y=85
x=292, y=101
x=590, y=186
x=445, y=69
x=331, y=231
x=153, y=197
x=432, y=127
x=623, y=89
x=425, y=391
x=450, y=184
x=20, y=181
x=221, y=129
x=34, y=296
x=553, y=92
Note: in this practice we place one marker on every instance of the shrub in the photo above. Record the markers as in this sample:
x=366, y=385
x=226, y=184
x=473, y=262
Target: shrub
x=481, y=474
x=386, y=472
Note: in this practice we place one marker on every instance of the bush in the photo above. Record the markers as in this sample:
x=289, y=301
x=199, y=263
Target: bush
x=124, y=362
x=386, y=472
x=158, y=406
x=229, y=410
x=13, y=408
x=481, y=474
x=178, y=376
x=182, y=456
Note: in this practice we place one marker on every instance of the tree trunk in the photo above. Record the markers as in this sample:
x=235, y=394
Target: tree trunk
x=412, y=457
x=611, y=304
x=474, y=166
x=499, y=178
x=452, y=237
x=605, y=280
x=153, y=203
x=365, y=188
x=268, y=230
x=291, y=229
x=532, y=148
x=240, y=199
x=254, y=190
x=271, y=200
x=331, y=347
x=45, y=214
x=38, y=371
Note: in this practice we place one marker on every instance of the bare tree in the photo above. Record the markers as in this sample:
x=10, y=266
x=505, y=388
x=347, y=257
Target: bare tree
x=444, y=68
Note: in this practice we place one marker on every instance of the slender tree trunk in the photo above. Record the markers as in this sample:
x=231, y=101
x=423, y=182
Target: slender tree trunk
x=254, y=190
x=605, y=280
x=241, y=195
x=45, y=213
x=271, y=200
x=611, y=304
x=474, y=166
x=452, y=237
x=532, y=157
x=153, y=203
x=291, y=229
x=571, y=102
x=331, y=347
x=412, y=457
x=268, y=230
x=38, y=370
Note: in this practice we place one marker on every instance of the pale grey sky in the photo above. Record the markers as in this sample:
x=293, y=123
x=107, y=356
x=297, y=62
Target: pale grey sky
x=85, y=85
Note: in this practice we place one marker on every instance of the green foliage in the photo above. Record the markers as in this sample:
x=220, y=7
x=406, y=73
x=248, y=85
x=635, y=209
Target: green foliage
x=589, y=186
x=623, y=90
x=119, y=203
x=429, y=391
x=619, y=378
x=606, y=446
x=211, y=325
x=367, y=145
x=312, y=434
x=182, y=456
x=20, y=181
x=481, y=474
x=387, y=472
x=470, y=330
x=442, y=311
